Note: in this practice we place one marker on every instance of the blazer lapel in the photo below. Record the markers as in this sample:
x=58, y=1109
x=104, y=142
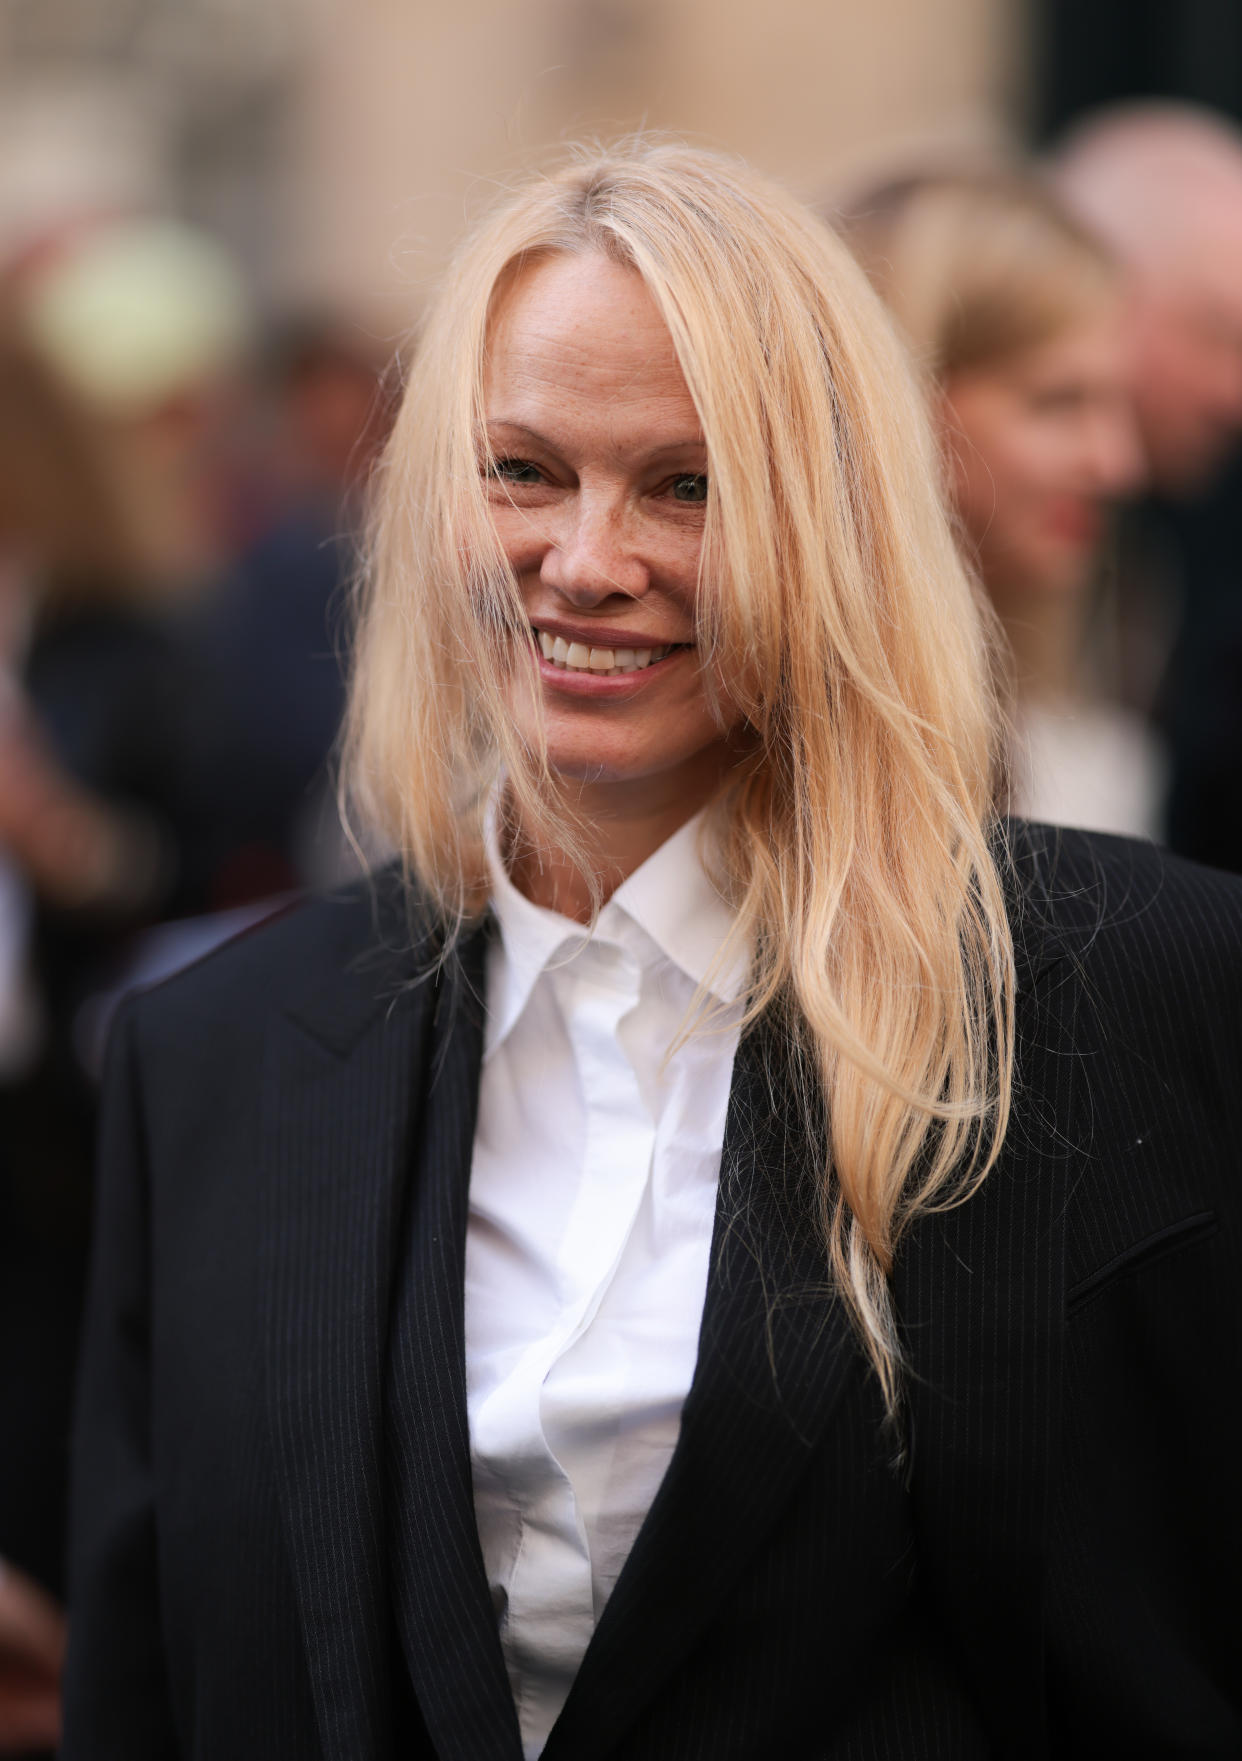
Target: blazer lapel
x=979, y=1292
x=444, y=1612
x=775, y=1357
x=338, y=1086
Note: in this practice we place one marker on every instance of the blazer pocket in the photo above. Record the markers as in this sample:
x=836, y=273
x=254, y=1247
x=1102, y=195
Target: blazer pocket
x=1168, y=1240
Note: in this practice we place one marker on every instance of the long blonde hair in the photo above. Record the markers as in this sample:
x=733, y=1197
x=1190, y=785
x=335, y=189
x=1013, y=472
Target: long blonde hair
x=856, y=838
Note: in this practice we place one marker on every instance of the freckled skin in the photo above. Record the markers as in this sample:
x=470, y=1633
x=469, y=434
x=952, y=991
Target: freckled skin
x=599, y=507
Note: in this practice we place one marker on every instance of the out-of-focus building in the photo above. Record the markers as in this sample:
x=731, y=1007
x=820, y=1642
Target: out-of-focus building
x=337, y=145
x=145, y=105
x=405, y=115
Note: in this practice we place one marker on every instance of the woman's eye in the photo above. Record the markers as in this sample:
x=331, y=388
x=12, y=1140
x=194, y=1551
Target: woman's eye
x=514, y=471
x=691, y=487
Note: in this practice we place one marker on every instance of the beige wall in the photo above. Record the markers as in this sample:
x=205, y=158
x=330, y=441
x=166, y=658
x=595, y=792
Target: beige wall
x=408, y=111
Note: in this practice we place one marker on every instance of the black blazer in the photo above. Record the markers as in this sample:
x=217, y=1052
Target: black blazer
x=274, y=1544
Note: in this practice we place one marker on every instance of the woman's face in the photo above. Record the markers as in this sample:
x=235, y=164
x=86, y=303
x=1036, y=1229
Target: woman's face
x=598, y=499
x=1039, y=446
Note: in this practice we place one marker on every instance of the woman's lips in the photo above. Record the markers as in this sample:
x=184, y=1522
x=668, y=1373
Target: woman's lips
x=587, y=682
x=1076, y=522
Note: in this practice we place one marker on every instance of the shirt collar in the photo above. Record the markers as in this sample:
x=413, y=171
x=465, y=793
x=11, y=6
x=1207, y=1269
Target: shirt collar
x=531, y=937
x=671, y=899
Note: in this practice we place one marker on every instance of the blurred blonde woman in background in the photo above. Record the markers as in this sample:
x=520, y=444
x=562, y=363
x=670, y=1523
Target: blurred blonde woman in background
x=604, y=1290
x=1014, y=312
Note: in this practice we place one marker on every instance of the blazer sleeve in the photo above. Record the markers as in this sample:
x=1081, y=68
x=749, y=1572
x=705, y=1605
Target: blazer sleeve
x=117, y=1702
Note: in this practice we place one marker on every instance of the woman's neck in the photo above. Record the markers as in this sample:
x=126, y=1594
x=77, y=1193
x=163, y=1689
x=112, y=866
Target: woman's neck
x=621, y=824
x=1046, y=634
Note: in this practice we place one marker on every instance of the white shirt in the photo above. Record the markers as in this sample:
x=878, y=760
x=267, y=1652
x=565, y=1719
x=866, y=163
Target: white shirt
x=592, y=1199
x=1089, y=764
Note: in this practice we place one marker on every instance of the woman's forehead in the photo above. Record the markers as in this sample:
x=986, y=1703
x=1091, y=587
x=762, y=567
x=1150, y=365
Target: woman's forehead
x=583, y=327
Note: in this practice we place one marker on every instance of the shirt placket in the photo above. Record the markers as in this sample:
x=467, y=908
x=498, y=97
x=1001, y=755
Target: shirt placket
x=551, y=1602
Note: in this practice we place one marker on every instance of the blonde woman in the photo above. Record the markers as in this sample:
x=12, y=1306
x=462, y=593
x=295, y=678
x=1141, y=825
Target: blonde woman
x=1015, y=312
x=690, y=1263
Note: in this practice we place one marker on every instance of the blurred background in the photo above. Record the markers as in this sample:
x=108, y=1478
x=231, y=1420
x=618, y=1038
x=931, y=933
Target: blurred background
x=335, y=148
x=218, y=223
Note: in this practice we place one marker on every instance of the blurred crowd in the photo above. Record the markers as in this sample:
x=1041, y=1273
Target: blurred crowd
x=181, y=489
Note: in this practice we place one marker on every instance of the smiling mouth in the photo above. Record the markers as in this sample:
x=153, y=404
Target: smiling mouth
x=578, y=657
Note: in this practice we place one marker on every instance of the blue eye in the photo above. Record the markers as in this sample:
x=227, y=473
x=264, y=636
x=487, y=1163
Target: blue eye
x=692, y=487
x=514, y=470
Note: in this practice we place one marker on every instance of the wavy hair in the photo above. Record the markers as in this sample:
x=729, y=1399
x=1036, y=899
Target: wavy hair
x=856, y=836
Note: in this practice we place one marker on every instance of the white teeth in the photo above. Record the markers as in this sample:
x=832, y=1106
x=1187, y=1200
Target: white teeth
x=578, y=657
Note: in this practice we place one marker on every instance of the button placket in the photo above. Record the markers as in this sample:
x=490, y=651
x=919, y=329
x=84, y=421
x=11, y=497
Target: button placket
x=620, y=1137
x=600, y=987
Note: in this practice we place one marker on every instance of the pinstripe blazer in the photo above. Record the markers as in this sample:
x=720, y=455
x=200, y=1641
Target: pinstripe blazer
x=274, y=1550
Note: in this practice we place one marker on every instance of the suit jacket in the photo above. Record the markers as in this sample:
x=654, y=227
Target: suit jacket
x=274, y=1548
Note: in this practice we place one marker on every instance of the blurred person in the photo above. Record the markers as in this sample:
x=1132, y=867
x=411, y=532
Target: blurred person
x=1014, y=311
x=267, y=641
x=1162, y=183
x=32, y=1650
x=86, y=856
x=333, y=407
x=133, y=329
x=146, y=321
x=112, y=339
x=1201, y=698
x=692, y=1261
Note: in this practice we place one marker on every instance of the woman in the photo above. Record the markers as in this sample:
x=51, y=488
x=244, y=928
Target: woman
x=1015, y=312
x=516, y=1337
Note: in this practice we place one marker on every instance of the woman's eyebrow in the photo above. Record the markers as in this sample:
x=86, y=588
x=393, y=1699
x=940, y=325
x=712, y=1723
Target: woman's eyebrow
x=515, y=428
x=498, y=424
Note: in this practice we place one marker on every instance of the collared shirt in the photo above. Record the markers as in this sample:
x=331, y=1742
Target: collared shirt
x=592, y=1200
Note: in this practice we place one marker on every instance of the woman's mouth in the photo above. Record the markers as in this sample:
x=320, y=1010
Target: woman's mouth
x=579, y=657
x=1075, y=520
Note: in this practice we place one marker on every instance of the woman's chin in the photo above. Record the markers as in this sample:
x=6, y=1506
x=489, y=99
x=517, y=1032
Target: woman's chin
x=630, y=770
x=590, y=765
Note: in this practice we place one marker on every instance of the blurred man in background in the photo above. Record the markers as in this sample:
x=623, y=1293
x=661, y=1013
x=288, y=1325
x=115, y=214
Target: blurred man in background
x=1162, y=184
x=268, y=644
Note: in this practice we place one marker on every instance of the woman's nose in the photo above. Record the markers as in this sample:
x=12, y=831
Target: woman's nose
x=1115, y=453
x=592, y=552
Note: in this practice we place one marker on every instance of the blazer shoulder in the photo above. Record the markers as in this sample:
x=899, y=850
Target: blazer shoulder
x=336, y=957
x=1129, y=1043
x=1107, y=900
x=1136, y=953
